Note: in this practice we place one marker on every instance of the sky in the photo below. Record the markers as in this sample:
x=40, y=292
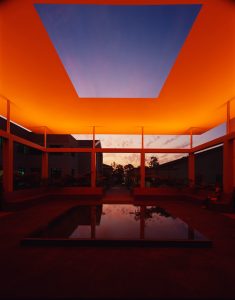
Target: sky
x=150, y=141
x=117, y=51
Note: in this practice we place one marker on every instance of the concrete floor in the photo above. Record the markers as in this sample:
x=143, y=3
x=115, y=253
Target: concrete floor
x=117, y=273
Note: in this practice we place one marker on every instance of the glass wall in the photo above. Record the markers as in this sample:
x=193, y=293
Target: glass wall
x=27, y=134
x=100, y=179
x=121, y=169
x=119, y=140
x=27, y=167
x=69, y=169
x=166, y=169
x=68, y=141
x=83, y=140
x=209, y=168
x=3, y=123
x=167, y=141
x=209, y=135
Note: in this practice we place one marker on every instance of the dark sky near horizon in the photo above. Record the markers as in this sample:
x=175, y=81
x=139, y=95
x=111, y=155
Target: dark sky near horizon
x=117, y=51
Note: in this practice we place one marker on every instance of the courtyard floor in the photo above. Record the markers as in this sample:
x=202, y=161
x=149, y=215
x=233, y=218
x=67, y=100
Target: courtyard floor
x=117, y=273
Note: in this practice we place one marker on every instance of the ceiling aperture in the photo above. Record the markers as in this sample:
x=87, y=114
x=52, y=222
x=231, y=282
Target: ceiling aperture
x=115, y=51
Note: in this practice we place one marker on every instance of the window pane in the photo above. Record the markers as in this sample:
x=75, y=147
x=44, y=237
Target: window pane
x=164, y=169
x=119, y=140
x=27, y=167
x=209, y=135
x=166, y=141
x=121, y=169
x=69, y=169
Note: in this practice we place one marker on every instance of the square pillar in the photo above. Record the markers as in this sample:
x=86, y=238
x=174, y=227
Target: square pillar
x=191, y=169
x=228, y=170
x=93, y=168
x=142, y=170
x=8, y=165
x=93, y=161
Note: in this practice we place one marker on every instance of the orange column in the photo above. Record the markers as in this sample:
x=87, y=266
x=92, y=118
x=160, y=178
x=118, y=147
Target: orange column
x=228, y=149
x=228, y=171
x=93, y=161
x=228, y=118
x=142, y=170
x=8, y=155
x=191, y=169
x=142, y=161
x=45, y=158
x=8, y=116
x=93, y=169
x=191, y=163
x=8, y=165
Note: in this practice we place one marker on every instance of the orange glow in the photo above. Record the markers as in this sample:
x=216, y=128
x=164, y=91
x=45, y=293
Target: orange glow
x=34, y=79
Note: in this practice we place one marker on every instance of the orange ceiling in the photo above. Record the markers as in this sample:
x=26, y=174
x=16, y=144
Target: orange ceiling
x=34, y=79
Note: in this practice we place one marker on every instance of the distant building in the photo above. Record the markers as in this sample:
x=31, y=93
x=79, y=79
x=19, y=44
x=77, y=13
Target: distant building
x=63, y=168
x=208, y=168
x=208, y=171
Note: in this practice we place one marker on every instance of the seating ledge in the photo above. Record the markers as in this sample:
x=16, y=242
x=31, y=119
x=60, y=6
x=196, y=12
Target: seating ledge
x=34, y=193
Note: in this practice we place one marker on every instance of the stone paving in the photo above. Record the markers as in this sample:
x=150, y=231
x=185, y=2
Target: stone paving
x=117, y=273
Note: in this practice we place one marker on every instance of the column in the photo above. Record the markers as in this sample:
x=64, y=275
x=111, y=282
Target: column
x=45, y=158
x=142, y=170
x=8, y=116
x=228, y=171
x=191, y=162
x=228, y=118
x=142, y=161
x=8, y=155
x=228, y=149
x=8, y=165
x=93, y=162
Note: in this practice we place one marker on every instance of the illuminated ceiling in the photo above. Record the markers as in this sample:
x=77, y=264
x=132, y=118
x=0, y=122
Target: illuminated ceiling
x=201, y=80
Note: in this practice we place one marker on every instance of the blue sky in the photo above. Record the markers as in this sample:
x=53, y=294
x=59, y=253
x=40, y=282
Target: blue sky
x=117, y=51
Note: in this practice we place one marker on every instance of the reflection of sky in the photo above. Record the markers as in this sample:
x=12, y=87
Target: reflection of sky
x=117, y=222
x=120, y=221
x=117, y=51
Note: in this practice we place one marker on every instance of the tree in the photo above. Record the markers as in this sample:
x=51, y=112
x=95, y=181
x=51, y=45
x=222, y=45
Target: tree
x=154, y=163
x=118, y=173
x=128, y=175
x=128, y=168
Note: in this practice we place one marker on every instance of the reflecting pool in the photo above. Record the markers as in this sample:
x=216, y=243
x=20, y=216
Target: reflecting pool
x=118, y=224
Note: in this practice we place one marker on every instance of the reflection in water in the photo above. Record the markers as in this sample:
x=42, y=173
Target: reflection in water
x=129, y=222
x=149, y=212
x=119, y=222
x=117, y=225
